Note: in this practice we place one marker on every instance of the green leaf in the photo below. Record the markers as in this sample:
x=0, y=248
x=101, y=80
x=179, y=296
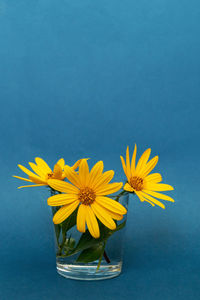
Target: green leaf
x=69, y=245
x=69, y=222
x=87, y=241
x=91, y=254
x=65, y=226
x=70, y=242
x=57, y=231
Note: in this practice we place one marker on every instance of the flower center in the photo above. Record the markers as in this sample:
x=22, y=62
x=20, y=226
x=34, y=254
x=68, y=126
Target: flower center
x=86, y=196
x=50, y=175
x=136, y=183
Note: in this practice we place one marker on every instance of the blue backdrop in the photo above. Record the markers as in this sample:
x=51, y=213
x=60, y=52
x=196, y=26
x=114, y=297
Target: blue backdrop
x=86, y=79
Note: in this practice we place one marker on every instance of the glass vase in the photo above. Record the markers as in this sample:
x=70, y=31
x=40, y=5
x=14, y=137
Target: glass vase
x=82, y=257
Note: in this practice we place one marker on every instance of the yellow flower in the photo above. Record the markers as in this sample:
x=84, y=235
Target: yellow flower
x=87, y=190
x=145, y=186
x=43, y=172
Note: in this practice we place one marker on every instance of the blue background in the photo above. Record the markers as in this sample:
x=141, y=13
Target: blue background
x=86, y=79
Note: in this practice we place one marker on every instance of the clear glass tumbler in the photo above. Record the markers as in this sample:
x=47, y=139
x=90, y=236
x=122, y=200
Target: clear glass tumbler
x=82, y=257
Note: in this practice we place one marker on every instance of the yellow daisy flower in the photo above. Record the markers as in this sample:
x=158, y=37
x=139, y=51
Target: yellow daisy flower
x=43, y=172
x=145, y=186
x=87, y=190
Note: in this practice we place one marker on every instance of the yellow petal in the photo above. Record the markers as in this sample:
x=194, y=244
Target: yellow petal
x=62, y=186
x=37, y=179
x=61, y=199
x=72, y=176
x=77, y=164
x=95, y=173
x=149, y=202
x=155, y=177
x=109, y=188
x=81, y=218
x=57, y=172
x=128, y=167
x=158, y=187
x=30, y=185
x=153, y=200
x=84, y=172
x=25, y=179
x=142, y=199
x=61, y=163
x=128, y=188
x=133, y=160
x=159, y=195
x=103, y=216
x=114, y=215
x=142, y=161
x=149, y=167
x=111, y=204
x=43, y=165
x=92, y=223
x=104, y=179
x=64, y=212
x=124, y=166
x=37, y=170
x=25, y=170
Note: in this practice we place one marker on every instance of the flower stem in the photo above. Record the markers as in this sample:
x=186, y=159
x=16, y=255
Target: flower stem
x=104, y=254
x=106, y=257
x=120, y=194
x=100, y=259
x=62, y=244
